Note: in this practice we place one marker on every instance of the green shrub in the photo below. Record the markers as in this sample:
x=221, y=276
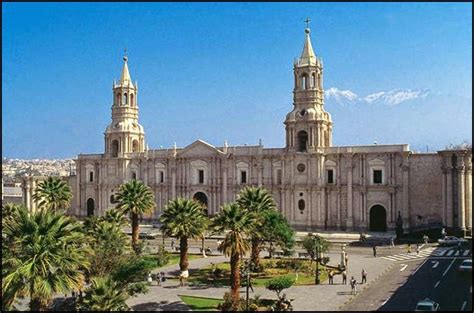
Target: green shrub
x=278, y=284
x=162, y=257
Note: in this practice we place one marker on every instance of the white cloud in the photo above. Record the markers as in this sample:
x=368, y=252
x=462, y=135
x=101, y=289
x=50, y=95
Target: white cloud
x=392, y=97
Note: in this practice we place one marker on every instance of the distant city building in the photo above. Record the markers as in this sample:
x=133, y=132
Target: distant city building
x=316, y=185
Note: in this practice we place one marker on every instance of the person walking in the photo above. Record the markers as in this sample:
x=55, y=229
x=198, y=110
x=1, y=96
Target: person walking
x=353, y=285
x=364, y=276
x=375, y=250
x=346, y=258
x=172, y=243
x=331, y=277
x=392, y=242
x=344, y=277
x=409, y=248
x=158, y=279
x=417, y=249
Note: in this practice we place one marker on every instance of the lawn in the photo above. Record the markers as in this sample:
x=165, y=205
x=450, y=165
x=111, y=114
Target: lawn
x=272, y=269
x=200, y=303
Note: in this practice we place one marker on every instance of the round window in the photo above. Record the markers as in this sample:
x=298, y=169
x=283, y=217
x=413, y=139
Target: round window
x=301, y=167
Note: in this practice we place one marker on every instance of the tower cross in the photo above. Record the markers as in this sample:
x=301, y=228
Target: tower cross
x=307, y=21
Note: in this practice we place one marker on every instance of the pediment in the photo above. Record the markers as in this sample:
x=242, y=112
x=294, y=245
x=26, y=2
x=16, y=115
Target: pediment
x=242, y=164
x=377, y=162
x=277, y=164
x=330, y=163
x=199, y=148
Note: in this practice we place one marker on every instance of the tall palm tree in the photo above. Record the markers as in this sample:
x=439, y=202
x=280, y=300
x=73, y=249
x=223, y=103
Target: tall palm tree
x=135, y=198
x=116, y=217
x=53, y=193
x=240, y=224
x=258, y=201
x=46, y=252
x=184, y=219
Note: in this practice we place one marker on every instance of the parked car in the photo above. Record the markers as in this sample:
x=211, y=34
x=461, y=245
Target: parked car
x=466, y=266
x=427, y=305
x=451, y=241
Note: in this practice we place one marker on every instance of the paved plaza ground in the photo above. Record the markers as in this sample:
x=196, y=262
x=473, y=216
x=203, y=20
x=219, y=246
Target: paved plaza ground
x=321, y=297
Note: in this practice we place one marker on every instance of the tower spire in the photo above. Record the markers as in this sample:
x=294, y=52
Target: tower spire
x=125, y=78
x=307, y=56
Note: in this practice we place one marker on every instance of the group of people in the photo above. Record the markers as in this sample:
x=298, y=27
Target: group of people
x=159, y=278
x=352, y=282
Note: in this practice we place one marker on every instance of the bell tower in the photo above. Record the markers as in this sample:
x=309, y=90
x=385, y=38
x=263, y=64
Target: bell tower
x=308, y=126
x=124, y=134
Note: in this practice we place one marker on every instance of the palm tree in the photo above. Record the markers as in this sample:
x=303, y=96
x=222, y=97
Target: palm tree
x=8, y=210
x=116, y=217
x=135, y=198
x=104, y=294
x=183, y=219
x=259, y=201
x=239, y=223
x=53, y=193
x=46, y=252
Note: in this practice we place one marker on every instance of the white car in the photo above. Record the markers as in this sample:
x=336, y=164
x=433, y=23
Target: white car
x=466, y=266
x=427, y=305
x=451, y=241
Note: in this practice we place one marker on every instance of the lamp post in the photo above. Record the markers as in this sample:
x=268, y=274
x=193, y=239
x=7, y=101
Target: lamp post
x=247, y=274
x=316, y=248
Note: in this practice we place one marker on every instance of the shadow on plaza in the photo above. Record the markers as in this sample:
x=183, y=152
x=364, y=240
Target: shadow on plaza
x=163, y=306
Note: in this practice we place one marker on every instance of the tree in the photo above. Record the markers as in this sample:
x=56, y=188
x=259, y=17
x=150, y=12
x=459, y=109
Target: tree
x=258, y=201
x=53, y=193
x=184, y=219
x=135, y=198
x=108, y=242
x=278, y=284
x=276, y=229
x=104, y=294
x=46, y=252
x=8, y=210
x=312, y=243
x=238, y=223
x=116, y=216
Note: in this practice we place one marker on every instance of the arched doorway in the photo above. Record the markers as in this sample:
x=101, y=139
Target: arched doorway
x=378, y=218
x=90, y=207
x=201, y=198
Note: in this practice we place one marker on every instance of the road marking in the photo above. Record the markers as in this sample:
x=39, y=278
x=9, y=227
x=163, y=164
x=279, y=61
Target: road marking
x=436, y=285
x=457, y=253
x=426, y=260
x=463, y=305
x=449, y=252
x=465, y=253
x=386, y=302
x=436, y=264
x=404, y=266
x=448, y=267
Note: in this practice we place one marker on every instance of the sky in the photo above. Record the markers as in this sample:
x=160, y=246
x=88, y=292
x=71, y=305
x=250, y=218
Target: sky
x=394, y=73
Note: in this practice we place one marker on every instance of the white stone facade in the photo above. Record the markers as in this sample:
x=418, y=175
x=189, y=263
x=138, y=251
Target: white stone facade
x=315, y=185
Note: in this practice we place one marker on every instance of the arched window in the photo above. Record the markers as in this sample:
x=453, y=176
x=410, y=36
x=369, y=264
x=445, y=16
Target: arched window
x=132, y=100
x=134, y=175
x=114, y=149
x=135, y=146
x=90, y=207
x=124, y=99
x=313, y=80
x=91, y=176
x=118, y=99
x=304, y=81
x=302, y=140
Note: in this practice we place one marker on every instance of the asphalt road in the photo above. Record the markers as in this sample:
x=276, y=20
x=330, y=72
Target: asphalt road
x=438, y=279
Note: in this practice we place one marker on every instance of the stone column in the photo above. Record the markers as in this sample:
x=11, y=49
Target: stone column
x=27, y=193
x=173, y=181
x=449, y=195
x=349, y=220
x=469, y=196
x=461, y=198
x=406, y=202
x=224, y=183
x=444, y=215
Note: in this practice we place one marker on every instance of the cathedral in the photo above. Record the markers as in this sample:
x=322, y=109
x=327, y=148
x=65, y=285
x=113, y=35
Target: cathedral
x=316, y=186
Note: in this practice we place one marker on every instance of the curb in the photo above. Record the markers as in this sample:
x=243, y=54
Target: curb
x=352, y=297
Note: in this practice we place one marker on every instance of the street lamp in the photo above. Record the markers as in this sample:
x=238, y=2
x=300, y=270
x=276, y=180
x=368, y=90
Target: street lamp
x=316, y=248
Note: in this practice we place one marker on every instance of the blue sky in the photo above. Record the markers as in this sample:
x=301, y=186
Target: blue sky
x=393, y=72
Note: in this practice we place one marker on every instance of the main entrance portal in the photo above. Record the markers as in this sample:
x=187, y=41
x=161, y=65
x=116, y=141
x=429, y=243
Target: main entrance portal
x=378, y=218
x=201, y=198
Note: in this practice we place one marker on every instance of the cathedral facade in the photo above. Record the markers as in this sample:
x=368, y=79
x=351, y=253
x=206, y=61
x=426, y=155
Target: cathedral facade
x=316, y=185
